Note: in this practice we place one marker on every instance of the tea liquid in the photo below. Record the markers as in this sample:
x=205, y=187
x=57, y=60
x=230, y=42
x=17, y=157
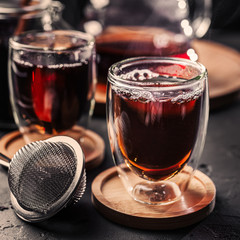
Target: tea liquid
x=53, y=97
x=155, y=137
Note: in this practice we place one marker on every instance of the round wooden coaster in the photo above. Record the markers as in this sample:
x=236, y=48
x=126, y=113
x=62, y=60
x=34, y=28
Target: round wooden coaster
x=223, y=66
x=112, y=201
x=92, y=145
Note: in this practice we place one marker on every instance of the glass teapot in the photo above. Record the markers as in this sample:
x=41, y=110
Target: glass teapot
x=135, y=28
x=17, y=16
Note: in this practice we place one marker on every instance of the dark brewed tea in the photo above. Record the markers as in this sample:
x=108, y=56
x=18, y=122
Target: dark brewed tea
x=117, y=43
x=156, y=138
x=51, y=97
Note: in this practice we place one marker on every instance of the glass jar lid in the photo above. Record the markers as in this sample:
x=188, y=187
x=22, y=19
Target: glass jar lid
x=22, y=6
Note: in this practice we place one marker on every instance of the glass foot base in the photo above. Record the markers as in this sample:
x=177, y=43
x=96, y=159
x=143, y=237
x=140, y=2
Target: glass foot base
x=160, y=193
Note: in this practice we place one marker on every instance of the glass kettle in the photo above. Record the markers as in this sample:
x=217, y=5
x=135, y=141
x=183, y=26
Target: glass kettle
x=135, y=28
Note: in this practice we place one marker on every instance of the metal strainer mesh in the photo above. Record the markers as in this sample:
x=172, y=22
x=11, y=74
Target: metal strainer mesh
x=44, y=176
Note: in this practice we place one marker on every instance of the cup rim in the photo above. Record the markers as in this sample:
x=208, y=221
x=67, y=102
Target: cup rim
x=14, y=42
x=119, y=81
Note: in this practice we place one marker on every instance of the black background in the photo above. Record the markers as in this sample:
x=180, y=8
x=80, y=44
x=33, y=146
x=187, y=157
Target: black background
x=225, y=13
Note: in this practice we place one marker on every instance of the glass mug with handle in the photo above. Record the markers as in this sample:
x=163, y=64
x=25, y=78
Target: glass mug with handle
x=52, y=82
x=157, y=114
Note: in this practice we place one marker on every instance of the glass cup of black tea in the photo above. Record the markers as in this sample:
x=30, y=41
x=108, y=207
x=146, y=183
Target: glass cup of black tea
x=52, y=83
x=157, y=115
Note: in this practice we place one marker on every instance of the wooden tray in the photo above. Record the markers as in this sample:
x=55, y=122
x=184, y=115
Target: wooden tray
x=112, y=201
x=93, y=146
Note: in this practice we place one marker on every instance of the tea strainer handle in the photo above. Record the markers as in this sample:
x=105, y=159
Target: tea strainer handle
x=4, y=160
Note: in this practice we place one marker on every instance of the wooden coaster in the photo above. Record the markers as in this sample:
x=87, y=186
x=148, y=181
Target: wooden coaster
x=112, y=201
x=92, y=145
x=223, y=66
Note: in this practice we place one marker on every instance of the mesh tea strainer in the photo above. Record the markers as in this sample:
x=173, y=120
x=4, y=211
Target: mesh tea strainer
x=45, y=176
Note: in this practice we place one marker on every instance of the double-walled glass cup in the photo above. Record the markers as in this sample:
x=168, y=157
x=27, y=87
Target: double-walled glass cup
x=16, y=17
x=52, y=82
x=157, y=114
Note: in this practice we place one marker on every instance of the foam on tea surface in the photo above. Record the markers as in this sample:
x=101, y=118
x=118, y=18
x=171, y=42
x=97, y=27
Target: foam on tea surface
x=152, y=86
